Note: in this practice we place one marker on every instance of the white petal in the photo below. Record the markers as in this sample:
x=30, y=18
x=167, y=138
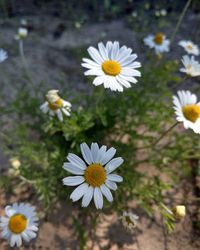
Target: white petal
x=114, y=84
x=101, y=153
x=106, y=192
x=109, y=48
x=5, y=233
x=94, y=72
x=25, y=237
x=9, y=211
x=124, y=82
x=44, y=107
x=79, y=192
x=127, y=78
x=113, y=164
x=85, y=150
x=33, y=228
x=66, y=112
x=114, y=177
x=103, y=51
x=59, y=114
x=89, y=66
x=89, y=61
x=31, y=234
x=94, y=53
x=98, y=198
x=72, y=168
x=15, y=240
x=98, y=80
x=130, y=72
x=128, y=60
x=87, y=196
x=74, y=159
x=108, y=155
x=73, y=180
x=124, y=53
x=111, y=185
x=4, y=219
x=115, y=50
x=94, y=151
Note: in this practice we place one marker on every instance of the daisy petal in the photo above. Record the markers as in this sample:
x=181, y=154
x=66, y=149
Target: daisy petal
x=111, y=185
x=113, y=164
x=114, y=177
x=85, y=150
x=108, y=155
x=73, y=180
x=87, y=196
x=106, y=192
x=94, y=151
x=79, y=192
x=95, y=55
x=74, y=159
x=72, y=169
x=98, y=198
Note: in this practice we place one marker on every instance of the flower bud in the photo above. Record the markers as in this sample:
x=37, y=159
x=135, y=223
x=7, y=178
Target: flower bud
x=15, y=163
x=22, y=33
x=179, y=212
x=52, y=96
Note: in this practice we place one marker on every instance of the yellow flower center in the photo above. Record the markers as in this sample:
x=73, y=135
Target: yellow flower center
x=95, y=175
x=17, y=223
x=111, y=68
x=191, y=112
x=56, y=105
x=189, y=46
x=158, y=39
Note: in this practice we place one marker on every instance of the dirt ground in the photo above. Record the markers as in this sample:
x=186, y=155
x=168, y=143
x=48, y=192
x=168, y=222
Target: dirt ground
x=52, y=60
x=56, y=231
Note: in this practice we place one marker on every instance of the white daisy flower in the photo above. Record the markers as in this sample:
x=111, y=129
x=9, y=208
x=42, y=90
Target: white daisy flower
x=189, y=47
x=22, y=33
x=93, y=178
x=19, y=223
x=55, y=105
x=114, y=67
x=3, y=55
x=187, y=110
x=129, y=220
x=158, y=42
x=191, y=66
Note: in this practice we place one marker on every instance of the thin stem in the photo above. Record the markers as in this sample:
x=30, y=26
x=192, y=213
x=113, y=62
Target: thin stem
x=26, y=180
x=21, y=50
x=166, y=208
x=100, y=97
x=159, y=138
x=180, y=20
x=165, y=133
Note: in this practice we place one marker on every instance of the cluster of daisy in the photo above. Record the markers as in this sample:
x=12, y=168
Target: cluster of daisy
x=161, y=44
x=191, y=66
x=115, y=68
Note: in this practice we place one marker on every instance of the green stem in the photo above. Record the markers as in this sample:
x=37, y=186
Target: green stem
x=26, y=180
x=180, y=20
x=159, y=138
x=21, y=50
x=100, y=97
